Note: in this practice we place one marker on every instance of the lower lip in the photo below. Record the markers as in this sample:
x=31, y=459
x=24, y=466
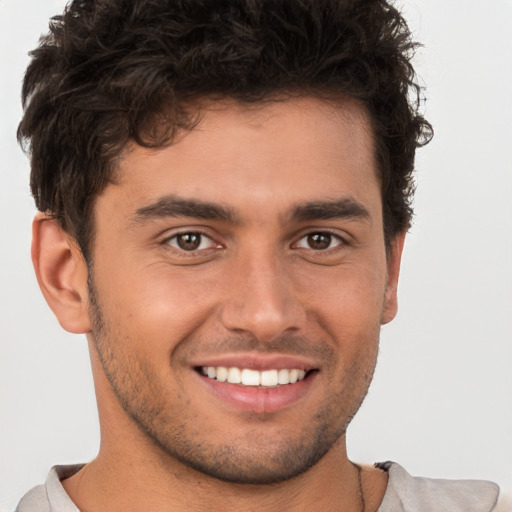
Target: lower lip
x=259, y=399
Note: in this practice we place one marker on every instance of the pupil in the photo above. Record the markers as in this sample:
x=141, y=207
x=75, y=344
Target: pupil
x=189, y=241
x=319, y=241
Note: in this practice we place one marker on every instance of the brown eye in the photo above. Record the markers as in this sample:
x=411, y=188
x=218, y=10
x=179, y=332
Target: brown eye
x=190, y=241
x=319, y=241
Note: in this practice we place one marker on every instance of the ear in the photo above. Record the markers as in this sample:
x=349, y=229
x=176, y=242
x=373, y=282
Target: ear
x=61, y=273
x=394, y=258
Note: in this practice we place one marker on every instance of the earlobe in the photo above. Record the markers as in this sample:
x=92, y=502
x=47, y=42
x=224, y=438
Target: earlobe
x=394, y=258
x=61, y=273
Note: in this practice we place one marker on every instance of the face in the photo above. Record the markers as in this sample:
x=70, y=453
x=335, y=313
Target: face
x=238, y=285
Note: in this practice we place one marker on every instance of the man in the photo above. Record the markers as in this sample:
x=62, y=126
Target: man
x=224, y=193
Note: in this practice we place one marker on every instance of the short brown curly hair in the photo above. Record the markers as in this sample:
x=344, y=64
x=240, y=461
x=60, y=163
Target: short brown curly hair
x=112, y=71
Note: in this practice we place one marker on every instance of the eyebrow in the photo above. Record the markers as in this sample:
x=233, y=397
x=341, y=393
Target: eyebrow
x=336, y=209
x=171, y=206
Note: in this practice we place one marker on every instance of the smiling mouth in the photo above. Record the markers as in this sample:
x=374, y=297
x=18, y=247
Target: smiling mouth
x=254, y=378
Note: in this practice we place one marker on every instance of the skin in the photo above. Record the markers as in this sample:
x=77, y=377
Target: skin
x=257, y=290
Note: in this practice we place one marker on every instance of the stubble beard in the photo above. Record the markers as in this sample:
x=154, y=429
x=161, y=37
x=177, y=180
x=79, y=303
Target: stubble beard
x=252, y=459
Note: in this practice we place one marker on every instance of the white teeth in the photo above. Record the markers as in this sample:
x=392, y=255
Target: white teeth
x=249, y=377
x=283, y=377
x=222, y=374
x=269, y=378
x=234, y=376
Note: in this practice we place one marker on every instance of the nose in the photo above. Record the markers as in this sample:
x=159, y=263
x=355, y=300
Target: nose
x=261, y=298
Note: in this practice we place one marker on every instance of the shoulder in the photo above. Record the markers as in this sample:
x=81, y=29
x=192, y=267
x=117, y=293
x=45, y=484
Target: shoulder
x=36, y=500
x=406, y=493
x=504, y=502
x=51, y=496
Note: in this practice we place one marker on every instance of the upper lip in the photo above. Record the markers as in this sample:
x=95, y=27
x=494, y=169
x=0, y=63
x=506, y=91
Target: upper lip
x=259, y=362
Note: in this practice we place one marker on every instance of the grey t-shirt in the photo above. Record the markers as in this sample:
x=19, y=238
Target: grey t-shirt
x=404, y=493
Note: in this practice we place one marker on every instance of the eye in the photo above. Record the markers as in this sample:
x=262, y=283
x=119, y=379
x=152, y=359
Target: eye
x=191, y=241
x=319, y=241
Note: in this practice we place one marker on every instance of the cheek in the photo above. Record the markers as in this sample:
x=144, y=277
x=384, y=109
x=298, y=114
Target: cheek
x=156, y=306
x=348, y=301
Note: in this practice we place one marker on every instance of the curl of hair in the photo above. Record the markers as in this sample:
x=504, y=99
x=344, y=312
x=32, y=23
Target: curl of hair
x=114, y=71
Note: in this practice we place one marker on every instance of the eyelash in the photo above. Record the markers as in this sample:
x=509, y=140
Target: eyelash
x=333, y=237
x=202, y=235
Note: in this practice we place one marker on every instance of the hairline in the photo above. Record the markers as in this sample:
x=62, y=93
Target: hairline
x=199, y=105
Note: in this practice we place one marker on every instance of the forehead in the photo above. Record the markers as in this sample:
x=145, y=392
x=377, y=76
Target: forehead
x=253, y=156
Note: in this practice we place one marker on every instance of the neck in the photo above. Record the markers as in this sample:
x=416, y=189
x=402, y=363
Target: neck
x=121, y=481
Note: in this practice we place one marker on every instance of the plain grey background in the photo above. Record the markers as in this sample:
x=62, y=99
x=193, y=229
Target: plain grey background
x=441, y=401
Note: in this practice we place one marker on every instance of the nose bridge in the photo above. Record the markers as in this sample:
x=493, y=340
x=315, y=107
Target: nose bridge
x=262, y=299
